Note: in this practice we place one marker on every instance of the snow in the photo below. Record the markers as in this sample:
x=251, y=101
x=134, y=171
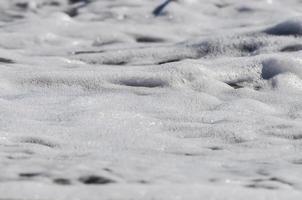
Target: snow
x=289, y=27
x=273, y=67
x=101, y=99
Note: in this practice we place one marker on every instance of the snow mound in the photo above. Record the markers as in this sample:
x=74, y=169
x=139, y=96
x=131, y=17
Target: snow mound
x=289, y=27
x=276, y=66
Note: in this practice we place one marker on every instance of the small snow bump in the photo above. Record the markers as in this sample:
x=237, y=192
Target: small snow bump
x=95, y=179
x=146, y=82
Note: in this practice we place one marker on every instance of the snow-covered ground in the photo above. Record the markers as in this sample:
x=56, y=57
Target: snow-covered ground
x=102, y=100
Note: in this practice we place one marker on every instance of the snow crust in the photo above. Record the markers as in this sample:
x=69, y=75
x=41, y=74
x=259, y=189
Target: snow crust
x=100, y=99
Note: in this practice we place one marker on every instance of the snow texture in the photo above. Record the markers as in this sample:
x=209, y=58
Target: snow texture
x=103, y=99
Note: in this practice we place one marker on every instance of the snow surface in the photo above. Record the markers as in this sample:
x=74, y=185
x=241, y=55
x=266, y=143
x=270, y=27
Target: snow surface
x=101, y=100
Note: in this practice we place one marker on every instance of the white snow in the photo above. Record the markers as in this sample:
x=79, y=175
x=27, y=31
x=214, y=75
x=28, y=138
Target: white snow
x=105, y=101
